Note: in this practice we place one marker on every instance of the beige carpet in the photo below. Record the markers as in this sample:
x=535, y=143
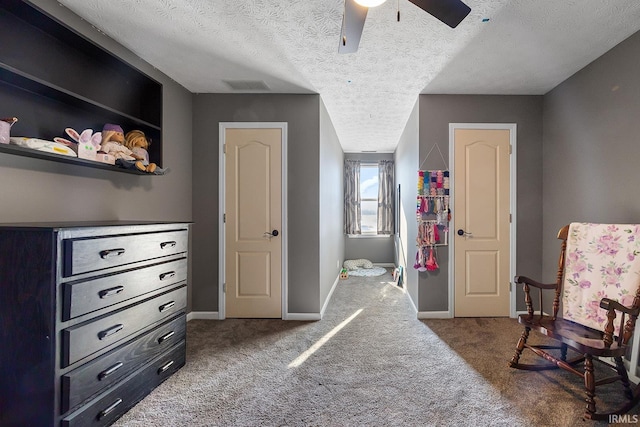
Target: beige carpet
x=381, y=368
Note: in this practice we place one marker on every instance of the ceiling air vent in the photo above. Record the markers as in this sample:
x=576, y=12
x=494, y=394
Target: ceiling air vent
x=247, y=85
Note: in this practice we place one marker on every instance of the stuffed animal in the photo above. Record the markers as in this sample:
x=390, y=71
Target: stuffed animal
x=137, y=142
x=355, y=264
x=88, y=142
x=113, y=143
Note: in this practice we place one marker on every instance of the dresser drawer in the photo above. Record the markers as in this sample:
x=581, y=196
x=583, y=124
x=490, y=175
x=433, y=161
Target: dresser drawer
x=87, y=380
x=105, y=409
x=84, y=255
x=86, y=338
x=87, y=296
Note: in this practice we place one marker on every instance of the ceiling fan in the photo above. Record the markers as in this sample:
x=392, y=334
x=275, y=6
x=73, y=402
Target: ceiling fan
x=451, y=12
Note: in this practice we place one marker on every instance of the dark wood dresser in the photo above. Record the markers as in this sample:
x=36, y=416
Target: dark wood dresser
x=92, y=318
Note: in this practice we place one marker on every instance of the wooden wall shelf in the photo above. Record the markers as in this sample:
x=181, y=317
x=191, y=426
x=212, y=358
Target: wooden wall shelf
x=35, y=154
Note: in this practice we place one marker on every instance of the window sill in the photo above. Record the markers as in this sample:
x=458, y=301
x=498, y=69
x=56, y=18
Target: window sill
x=369, y=236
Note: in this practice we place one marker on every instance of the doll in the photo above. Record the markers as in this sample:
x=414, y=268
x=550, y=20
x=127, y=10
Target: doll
x=137, y=142
x=113, y=143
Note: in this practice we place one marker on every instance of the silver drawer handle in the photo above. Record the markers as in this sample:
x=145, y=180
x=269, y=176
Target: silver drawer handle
x=108, y=332
x=167, y=275
x=110, y=409
x=110, y=292
x=165, y=367
x=165, y=337
x=108, y=253
x=166, y=306
x=104, y=374
x=165, y=245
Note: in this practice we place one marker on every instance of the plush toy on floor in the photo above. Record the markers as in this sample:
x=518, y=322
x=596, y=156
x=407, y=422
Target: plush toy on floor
x=137, y=142
x=355, y=264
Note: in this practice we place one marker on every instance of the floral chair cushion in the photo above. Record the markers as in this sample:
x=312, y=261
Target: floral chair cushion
x=602, y=261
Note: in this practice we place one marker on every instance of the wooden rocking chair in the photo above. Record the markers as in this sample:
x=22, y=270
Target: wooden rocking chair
x=598, y=275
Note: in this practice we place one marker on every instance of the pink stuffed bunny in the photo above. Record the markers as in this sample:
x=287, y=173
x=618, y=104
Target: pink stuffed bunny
x=88, y=142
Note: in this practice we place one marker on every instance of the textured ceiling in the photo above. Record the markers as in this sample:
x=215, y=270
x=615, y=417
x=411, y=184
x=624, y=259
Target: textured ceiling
x=527, y=47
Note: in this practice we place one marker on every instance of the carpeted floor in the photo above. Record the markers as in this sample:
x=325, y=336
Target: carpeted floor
x=369, y=362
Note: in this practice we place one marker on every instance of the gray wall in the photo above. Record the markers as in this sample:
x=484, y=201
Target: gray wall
x=302, y=113
x=592, y=146
x=40, y=190
x=49, y=191
x=406, y=167
x=436, y=112
x=375, y=249
x=368, y=157
x=331, y=208
x=33, y=190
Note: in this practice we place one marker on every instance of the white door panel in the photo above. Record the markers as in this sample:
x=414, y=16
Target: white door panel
x=253, y=208
x=482, y=208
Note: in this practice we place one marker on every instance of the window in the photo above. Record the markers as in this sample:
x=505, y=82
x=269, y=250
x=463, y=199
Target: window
x=369, y=198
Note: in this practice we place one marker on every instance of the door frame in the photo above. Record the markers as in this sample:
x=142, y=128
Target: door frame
x=512, y=127
x=221, y=210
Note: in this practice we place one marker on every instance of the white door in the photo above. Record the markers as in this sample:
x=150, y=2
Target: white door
x=481, y=222
x=253, y=225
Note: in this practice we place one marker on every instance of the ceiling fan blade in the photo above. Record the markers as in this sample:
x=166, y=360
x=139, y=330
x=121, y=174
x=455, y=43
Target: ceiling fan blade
x=352, y=25
x=451, y=12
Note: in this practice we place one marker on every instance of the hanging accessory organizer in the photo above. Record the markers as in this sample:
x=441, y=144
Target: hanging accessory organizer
x=433, y=214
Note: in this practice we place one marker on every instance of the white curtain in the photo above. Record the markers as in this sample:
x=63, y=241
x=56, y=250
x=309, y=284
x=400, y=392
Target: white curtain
x=352, y=212
x=385, y=197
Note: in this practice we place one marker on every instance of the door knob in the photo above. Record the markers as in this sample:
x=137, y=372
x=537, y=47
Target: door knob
x=274, y=233
x=461, y=232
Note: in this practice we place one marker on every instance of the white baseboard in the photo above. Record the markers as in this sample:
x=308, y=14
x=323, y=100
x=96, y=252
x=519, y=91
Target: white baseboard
x=415, y=309
x=213, y=315
x=434, y=315
x=203, y=315
x=384, y=264
x=326, y=301
x=307, y=317
x=446, y=315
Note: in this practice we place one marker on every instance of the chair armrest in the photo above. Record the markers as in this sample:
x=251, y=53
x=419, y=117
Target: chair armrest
x=531, y=282
x=625, y=330
x=527, y=282
x=609, y=304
